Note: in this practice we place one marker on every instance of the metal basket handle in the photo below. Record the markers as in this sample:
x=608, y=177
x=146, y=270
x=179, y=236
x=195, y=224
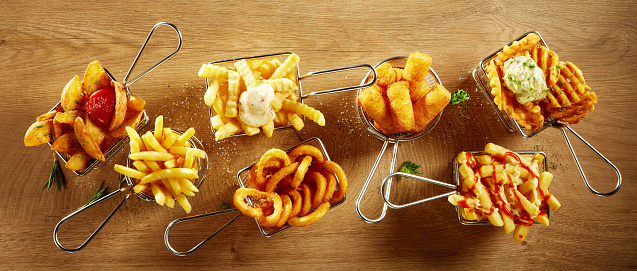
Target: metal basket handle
x=57, y=227
x=341, y=89
x=581, y=171
x=389, y=177
x=127, y=83
x=204, y=241
x=369, y=178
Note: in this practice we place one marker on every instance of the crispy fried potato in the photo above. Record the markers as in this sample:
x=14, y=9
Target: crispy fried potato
x=119, y=113
x=428, y=107
x=135, y=103
x=68, y=117
x=59, y=128
x=417, y=66
x=95, y=78
x=78, y=161
x=38, y=133
x=376, y=106
x=73, y=94
x=47, y=116
x=386, y=75
x=132, y=122
x=401, y=107
x=418, y=89
x=96, y=132
x=83, y=136
x=66, y=144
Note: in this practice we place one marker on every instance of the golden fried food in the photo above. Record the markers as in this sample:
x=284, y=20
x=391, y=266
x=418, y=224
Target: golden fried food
x=165, y=167
x=104, y=111
x=504, y=188
x=566, y=96
x=387, y=75
x=376, y=105
x=391, y=101
x=307, y=183
x=417, y=66
x=425, y=110
x=255, y=95
x=401, y=107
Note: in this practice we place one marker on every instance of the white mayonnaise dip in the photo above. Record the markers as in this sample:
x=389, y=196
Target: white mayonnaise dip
x=254, y=105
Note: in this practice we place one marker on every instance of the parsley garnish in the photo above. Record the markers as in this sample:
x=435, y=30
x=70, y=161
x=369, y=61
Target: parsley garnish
x=39, y=126
x=529, y=64
x=225, y=206
x=97, y=82
x=459, y=97
x=56, y=176
x=98, y=194
x=410, y=168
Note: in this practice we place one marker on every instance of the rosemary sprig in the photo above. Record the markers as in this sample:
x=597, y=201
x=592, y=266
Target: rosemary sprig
x=98, y=194
x=120, y=180
x=56, y=176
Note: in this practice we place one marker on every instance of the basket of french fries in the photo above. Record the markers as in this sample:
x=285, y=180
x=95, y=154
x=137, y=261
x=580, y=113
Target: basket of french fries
x=293, y=188
x=164, y=166
x=262, y=93
x=530, y=88
x=404, y=103
x=495, y=186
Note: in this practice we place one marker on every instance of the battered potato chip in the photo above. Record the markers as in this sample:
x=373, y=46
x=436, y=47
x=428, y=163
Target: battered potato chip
x=376, y=106
x=417, y=66
x=401, y=107
x=387, y=75
x=428, y=107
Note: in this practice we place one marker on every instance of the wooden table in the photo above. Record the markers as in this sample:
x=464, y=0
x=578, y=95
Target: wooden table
x=42, y=46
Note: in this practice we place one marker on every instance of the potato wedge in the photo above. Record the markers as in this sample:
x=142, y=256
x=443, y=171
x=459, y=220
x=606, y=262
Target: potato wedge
x=119, y=113
x=47, y=116
x=135, y=104
x=66, y=144
x=132, y=122
x=97, y=133
x=73, y=94
x=84, y=138
x=95, y=78
x=59, y=128
x=78, y=161
x=68, y=117
x=38, y=133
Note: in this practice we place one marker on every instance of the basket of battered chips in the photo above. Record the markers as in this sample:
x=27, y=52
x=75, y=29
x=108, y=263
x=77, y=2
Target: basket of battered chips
x=405, y=103
x=530, y=89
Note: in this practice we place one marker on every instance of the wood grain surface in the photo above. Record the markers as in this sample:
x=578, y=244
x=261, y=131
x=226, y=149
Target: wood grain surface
x=43, y=45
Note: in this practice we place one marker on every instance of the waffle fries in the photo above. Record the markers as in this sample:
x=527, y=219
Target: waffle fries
x=568, y=99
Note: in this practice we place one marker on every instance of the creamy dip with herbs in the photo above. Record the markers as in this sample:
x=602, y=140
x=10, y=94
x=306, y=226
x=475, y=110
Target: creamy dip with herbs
x=525, y=79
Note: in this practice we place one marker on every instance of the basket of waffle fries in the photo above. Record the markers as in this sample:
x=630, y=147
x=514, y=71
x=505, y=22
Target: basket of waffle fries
x=531, y=89
x=293, y=188
x=495, y=187
x=262, y=93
